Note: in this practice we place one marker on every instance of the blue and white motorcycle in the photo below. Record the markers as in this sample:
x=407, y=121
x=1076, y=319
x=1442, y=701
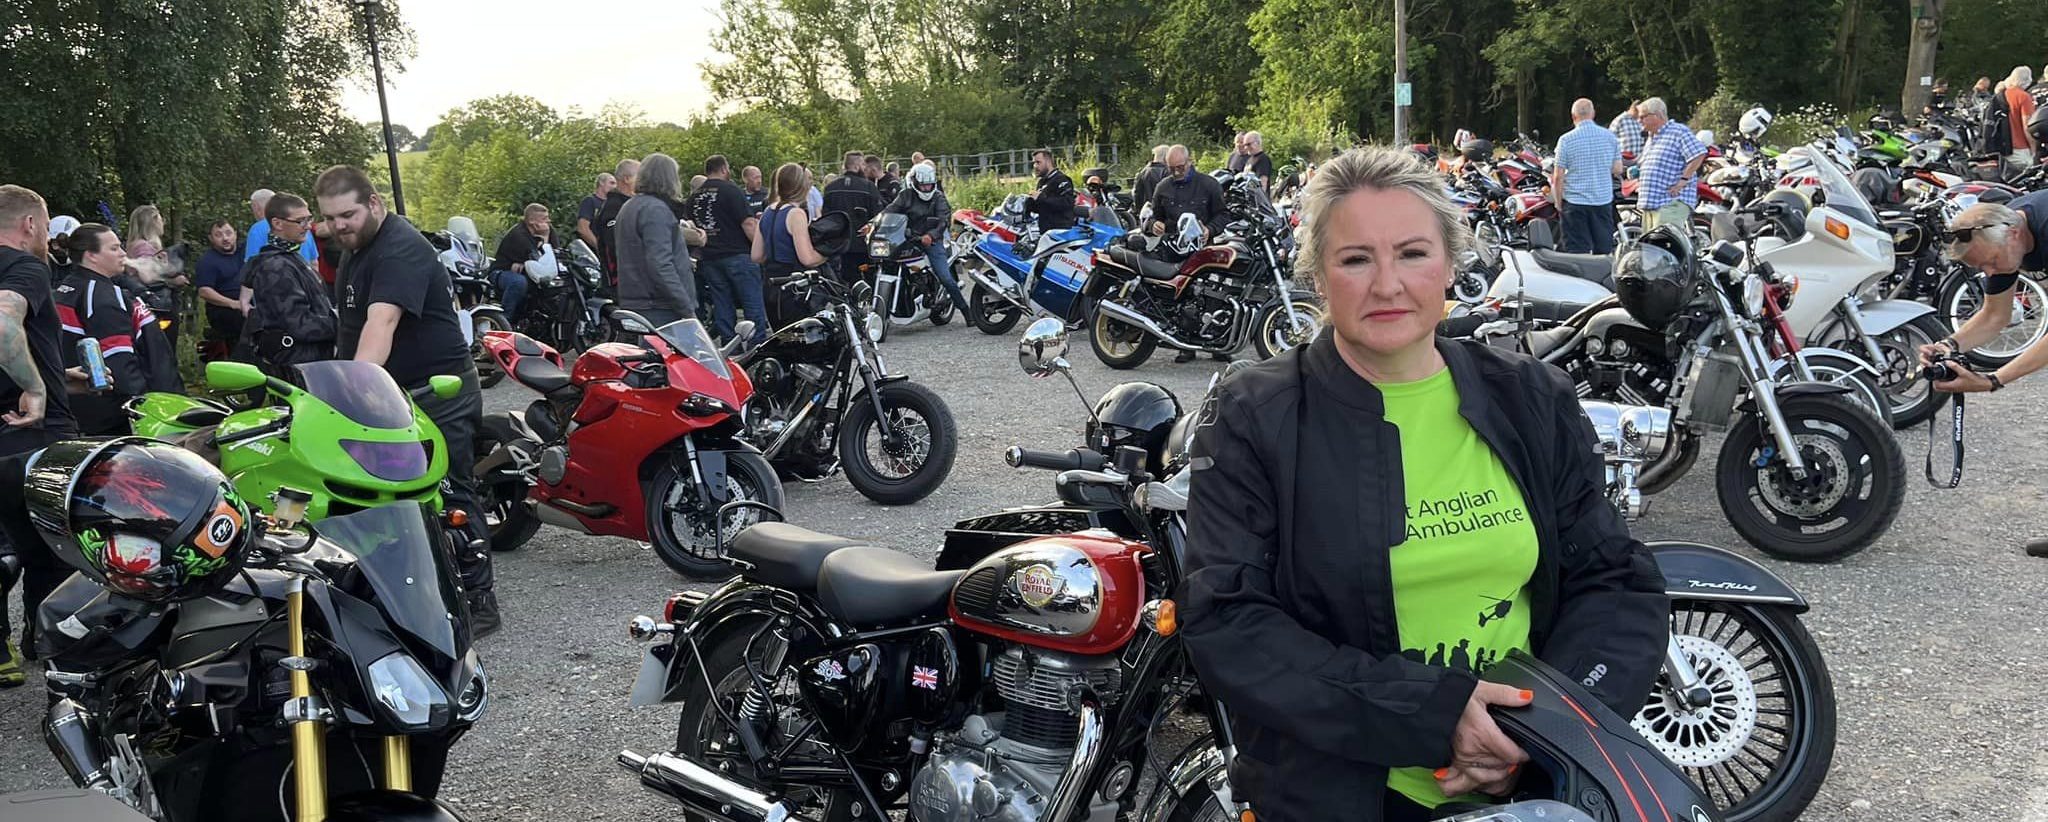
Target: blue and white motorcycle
x=1013, y=270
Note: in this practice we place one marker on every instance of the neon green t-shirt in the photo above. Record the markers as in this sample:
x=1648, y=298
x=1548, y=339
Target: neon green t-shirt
x=1461, y=578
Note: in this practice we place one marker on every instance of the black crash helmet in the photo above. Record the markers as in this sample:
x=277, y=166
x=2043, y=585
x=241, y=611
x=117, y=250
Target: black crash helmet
x=1137, y=414
x=145, y=519
x=1477, y=149
x=2037, y=125
x=1654, y=278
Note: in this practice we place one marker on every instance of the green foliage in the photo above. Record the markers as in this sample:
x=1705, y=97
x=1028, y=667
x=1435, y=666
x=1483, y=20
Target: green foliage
x=983, y=192
x=1987, y=38
x=1720, y=113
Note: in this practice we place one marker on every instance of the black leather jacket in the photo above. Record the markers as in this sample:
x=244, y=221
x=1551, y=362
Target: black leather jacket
x=1198, y=194
x=1288, y=609
x=927, y=217
x=1053, y=202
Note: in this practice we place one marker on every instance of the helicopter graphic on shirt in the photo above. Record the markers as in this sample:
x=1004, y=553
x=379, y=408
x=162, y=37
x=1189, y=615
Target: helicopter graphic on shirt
x=1498, y=610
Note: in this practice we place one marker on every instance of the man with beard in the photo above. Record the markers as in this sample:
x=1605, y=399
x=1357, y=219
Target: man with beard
x=30, y=368
x=398, y=311
x=1053, y=201
x=220, y=284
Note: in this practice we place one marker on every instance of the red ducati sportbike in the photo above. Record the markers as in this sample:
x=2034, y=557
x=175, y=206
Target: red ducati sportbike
x=636, y=441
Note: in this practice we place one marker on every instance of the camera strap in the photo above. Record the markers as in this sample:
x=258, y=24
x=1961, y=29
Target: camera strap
x=1955, y=433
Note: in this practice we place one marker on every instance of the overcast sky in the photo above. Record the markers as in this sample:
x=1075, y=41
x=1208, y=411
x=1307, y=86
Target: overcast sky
x=577, y=53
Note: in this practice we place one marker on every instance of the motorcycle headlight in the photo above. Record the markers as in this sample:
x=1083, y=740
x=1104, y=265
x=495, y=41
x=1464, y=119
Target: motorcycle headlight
x=391, y=461
x=876, y=322
x=1753, y=295
x=476, y=695
x=409, y=697
x=879, y=249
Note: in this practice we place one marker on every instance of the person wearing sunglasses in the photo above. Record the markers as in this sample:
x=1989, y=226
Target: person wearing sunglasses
x=1999, y=240
x=291, y=318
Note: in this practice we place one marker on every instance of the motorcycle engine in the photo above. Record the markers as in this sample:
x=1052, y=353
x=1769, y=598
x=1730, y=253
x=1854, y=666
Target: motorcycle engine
x=1627, y=365
x=1209, y=309
x=780, y=390
x=1004, y=766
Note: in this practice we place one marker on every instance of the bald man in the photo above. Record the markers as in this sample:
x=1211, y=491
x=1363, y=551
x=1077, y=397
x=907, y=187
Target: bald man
x=1582, y=182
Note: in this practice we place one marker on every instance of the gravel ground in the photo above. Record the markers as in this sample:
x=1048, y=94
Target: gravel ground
x=1931, y=634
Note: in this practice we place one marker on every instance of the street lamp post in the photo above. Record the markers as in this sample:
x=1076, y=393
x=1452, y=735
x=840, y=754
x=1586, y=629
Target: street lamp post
x=383, y=108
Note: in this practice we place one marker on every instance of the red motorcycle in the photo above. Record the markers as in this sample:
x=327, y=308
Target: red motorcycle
x=635, y=441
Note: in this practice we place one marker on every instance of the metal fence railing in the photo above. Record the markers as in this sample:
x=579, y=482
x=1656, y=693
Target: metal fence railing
x=1013, y=162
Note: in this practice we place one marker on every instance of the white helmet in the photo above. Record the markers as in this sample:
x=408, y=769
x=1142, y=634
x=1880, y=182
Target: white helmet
x=924, y=181
x=1754, y=122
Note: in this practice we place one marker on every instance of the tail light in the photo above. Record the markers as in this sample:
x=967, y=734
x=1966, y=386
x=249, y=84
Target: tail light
x=680, y=606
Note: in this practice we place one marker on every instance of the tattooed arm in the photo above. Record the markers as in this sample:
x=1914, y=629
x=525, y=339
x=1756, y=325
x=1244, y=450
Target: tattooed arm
x=18, y=364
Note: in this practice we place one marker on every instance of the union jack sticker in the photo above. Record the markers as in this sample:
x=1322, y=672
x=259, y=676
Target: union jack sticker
x=926, y=678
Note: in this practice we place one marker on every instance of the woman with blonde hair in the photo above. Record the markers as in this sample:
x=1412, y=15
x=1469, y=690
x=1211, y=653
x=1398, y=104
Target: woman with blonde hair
x=783, y=245
x=1355, y=499
x=157, y=272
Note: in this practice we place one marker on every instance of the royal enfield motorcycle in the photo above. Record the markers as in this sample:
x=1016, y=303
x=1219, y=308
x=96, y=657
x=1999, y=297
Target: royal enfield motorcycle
x=1805, y=473
x=823, y=401
x=636, y=441
x=327, y=681
x=1236, y=289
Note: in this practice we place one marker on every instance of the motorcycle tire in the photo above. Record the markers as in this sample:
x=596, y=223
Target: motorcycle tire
x=1102, y=332
x=748, y=477
x=859, y=444
x=509, y=519
x=1772, y=694
x=488, y=372
x=1272, y=333
x=942, y=305
x=1912, y=400
x=885, y=305
x=1838, y=439
x=725, y=662
x=990, y=313
x=1962, y=293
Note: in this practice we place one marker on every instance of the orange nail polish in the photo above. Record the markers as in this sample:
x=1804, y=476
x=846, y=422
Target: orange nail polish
x=1443, y=772
x=1528, y=694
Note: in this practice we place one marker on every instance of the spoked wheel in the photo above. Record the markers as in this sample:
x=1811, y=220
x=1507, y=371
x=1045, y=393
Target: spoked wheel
x=1760, y=745
x=908, y=463
x=708, y=734
x=1963, y=294
x=685, y=535
x=1848, y=496
x=1285, y=325
x=1118, y=344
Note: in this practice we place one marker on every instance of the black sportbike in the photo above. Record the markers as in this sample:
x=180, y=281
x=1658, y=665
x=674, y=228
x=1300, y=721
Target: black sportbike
x=823, y=401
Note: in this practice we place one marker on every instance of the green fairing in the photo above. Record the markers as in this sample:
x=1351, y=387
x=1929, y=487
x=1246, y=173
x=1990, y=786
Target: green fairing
x=307, y=456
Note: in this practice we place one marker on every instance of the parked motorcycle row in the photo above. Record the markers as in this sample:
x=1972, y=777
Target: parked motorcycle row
x=1025, y=674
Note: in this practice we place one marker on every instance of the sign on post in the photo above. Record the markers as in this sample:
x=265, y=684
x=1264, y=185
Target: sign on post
x=1404, y=94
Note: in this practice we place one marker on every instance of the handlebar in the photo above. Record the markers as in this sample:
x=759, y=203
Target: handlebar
x=1073, y=459
x=281, y=424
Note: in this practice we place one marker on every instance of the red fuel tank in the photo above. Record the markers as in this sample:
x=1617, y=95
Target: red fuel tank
x=1078, y=593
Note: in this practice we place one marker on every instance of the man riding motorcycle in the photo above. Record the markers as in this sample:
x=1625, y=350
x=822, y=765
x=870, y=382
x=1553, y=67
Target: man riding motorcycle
x=925, y=206
x=1053, y=202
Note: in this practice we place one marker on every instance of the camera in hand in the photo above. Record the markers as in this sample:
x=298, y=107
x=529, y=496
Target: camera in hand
x=1943, y=369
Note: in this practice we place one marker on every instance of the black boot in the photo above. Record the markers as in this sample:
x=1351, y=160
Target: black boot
x=2038, y=548
x=483, y=613
x=1184, y=356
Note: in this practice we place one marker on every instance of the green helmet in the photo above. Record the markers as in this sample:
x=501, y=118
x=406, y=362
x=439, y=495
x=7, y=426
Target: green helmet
x=143, y=518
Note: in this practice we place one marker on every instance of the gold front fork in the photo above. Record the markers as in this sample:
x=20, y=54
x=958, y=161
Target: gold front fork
x=309, y=765
x=398, y=763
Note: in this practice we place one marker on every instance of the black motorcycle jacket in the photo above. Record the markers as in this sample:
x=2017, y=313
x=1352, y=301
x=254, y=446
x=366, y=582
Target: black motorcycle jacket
x=138, y=356
x=1053, y=202
x=291, y=319
x=1198, y=194
x=927, y=217
x=1147, y=183
x=1288, y=609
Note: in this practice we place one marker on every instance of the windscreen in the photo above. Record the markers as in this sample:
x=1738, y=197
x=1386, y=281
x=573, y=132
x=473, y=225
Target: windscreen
x=361, y=391
x=398, y=552
x=1841, y=195
x=891, y=227
x=689, y=339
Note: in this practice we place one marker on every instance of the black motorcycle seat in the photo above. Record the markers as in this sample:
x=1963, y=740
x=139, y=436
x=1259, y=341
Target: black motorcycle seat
x=68, y=805
x=1146, y=267
x=1593, y=268
x=543, y=376
x=783, y=555
x=203, y=416
x=871, y=586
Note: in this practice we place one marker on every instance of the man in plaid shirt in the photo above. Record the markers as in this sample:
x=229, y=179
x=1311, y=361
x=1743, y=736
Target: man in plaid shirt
x=1671, y=162
x=1628, y=128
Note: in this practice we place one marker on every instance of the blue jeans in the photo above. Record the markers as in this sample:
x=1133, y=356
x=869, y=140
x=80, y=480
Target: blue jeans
x=734, y=277
x=942, y=267
x=511, y=291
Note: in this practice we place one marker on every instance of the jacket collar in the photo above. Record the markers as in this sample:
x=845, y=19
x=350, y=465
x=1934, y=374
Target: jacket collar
x=1322, y=363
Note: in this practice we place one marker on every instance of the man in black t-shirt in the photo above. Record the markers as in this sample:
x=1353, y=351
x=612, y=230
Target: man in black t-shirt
x=587, y=211
x=726, y=266
x=1256, y=160
x=757, y=196
x=608, y=216
x=398, y=311
x=520, y=245
x=853, y=194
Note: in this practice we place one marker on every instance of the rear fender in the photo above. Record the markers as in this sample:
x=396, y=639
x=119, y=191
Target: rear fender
x=1694, y=570
x=738, y=605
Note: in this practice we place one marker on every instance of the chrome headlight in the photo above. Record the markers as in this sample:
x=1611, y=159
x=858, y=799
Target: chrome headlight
x=879, y=249
x=876, y=323
x=1753, y=295
x=409, y=697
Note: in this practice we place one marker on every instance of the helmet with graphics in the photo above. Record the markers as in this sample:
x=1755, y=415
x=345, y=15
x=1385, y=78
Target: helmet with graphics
x=145, y=519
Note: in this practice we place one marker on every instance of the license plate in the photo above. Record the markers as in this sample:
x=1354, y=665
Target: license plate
x=652, y=682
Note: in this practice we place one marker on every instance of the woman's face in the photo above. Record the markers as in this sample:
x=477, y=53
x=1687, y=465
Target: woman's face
x=1385, y=269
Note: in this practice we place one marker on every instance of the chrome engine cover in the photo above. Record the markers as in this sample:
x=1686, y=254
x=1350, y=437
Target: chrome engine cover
x=955, y=786
x=554, y=464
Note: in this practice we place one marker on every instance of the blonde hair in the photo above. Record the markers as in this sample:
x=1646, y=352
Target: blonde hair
x=792, y=185
x=146, y=223
x=1380, y=169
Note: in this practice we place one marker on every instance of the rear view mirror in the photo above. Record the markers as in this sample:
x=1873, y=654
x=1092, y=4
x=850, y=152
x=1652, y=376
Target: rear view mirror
x=632, y=323
x=1043, y=350
x=222, y=375
x=445, y=386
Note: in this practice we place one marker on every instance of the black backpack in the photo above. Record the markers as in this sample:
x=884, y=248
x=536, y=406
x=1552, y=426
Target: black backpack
x=1997, y=135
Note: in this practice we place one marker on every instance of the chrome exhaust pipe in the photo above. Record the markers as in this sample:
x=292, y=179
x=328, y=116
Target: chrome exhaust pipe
x=1073, y=787
x=1125, y=315
x=549, y=514
x=703, y=791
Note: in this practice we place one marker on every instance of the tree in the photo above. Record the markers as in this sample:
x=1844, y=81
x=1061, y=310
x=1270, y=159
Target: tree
x=401, y=136
x=1921, y=43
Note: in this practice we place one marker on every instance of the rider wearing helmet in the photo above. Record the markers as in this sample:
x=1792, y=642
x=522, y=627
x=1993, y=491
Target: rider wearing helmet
x=925, y=206
x=1754, y=123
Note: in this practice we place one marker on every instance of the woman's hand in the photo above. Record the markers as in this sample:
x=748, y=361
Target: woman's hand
x=1482, y=758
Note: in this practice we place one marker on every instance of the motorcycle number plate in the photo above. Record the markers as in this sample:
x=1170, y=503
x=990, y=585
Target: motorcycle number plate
x=653, y=679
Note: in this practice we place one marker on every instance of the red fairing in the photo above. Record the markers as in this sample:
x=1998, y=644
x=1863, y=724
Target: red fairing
x=1042, y=565
x=601, y=362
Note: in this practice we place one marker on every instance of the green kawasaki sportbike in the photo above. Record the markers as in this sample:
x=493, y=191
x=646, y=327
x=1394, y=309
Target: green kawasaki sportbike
x=346, y=435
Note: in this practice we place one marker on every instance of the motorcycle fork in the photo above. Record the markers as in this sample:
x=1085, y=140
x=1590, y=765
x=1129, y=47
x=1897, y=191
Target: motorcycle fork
x=1748, y=342
x=1686, y=687
x=860, y=363
x=1852, y=315
x=306, y=714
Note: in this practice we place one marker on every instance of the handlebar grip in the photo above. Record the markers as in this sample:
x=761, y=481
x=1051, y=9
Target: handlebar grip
x=1073, y=459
